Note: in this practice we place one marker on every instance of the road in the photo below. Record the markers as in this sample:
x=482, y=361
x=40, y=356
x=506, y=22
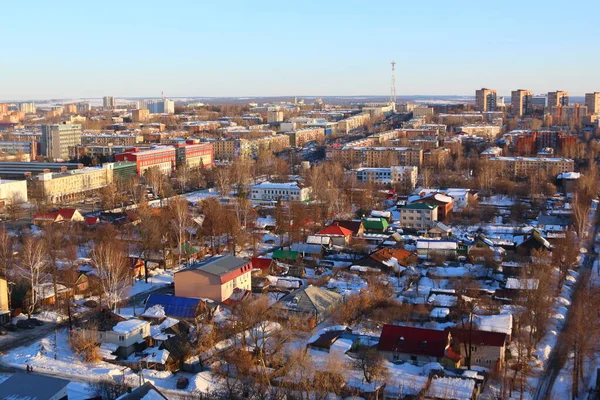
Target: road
x=559, y=355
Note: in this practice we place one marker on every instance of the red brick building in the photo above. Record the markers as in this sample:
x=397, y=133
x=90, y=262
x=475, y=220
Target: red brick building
x=162, y=157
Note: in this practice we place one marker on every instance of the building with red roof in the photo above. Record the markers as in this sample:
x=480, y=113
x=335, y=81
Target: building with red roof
x=339, y=235
x=62, y=215
x=418, y=345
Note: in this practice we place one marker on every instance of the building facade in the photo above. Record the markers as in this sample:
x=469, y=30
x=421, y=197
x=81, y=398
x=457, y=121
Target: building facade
x=108, y=102
x=527, y=166
x=402, y=175
x=302, y=136
x=418, y=216
x=558, y=98
x=592, y=101
x=271, y=191
x=59, y=139
x=521, y=102
x=215, y=279
x=485, y=99
x=140, y=115
x=274, y=115
x=161, y=157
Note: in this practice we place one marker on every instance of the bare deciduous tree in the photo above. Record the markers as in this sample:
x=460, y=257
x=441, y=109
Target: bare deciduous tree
x=32, y=267
x=109, y=259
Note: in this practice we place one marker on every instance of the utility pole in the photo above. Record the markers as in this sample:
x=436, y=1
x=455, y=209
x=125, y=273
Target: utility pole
x=393, y=86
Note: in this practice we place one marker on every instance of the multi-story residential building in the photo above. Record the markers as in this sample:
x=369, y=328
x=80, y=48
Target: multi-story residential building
x=225, y=149
x=592, y=102
x=125, y=336
x=163, y=106
x=140, y=115
x=378, y=157
x=558, y=98
x=483, y=130
x=351, y=123
x=274, y=115
x=403, y=175
x=116, y=139
x=418, y=215
x=83, y=107
x=108, y=102
x=567, y=113
x=422, y=111
x=58, y=187
x=57, y=140
x=467, y=117
x=539, y=101
x=287, y=191
x=27, y=108
x=272, y=143
x=302, y=136
x=425, y=143
x=216, y=278
x=521, y=102
x=485, y=99
x=29, y=148
x=194, y=153
x=70, y=109
x=161, y=157
x=527, y=166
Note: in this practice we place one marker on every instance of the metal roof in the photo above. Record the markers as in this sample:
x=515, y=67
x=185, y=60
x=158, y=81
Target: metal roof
x=31, y=386
x=220, y=266
x=174, y=306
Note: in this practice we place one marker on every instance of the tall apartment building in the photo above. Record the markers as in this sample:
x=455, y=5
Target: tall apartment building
x=557, y=99
x=140, y=115
x=27, y=108
x=83, y=107
x=592, y=101
x=163, y=106
x=123, y=139
x=274, y=115
x=70, y=108
x=521, y=102
x=353, y=122
x=485, y=99
x=58, y=139
x=108, y=102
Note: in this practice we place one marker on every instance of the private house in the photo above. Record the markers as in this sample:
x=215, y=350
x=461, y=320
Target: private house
x=339, y=235
x=419, y=216
x=355, y=226
x=62, y=215
x=119, y=337
x=387, y=259
x=311, y=303
x=375, y=225
x=146, y=391
x=487, y=348
x=75, y=280
x=4, y=310
x=324, y=241
x=265, y=265
x=45, y=295
x=531, y=242
x=440, y=230
x=288, y=256
x=182, y=308
x=418, y=345
x=215, y=278
x=444, y=204
x=308, y=251
x=34, y=386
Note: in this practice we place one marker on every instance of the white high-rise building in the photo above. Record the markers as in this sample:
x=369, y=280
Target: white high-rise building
x=163, y=106
x=27, y=108
x=108, y=102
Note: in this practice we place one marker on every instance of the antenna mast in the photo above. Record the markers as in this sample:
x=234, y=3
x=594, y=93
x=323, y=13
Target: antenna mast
x=393, y=88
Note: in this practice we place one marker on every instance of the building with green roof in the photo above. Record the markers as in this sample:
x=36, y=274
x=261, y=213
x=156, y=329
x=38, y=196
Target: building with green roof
x=419, y=216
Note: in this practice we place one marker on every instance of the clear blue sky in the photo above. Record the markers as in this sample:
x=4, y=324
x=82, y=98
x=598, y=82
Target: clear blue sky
x=64, y=48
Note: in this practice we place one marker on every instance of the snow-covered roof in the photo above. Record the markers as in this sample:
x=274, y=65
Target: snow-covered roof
x=439, y=312
x=425, y=244
x=276, y=185
x=451, y=389
x=158, y=356
x=569, y=175
x=522, y=284
x=129, y=326
x=156, y=311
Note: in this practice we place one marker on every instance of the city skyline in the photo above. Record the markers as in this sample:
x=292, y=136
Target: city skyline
x=274, y=49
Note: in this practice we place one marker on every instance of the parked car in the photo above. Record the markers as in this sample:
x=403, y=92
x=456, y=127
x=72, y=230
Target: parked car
x=25, y=324
x=36, y=322
x=10, y=327
x=182, y=383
